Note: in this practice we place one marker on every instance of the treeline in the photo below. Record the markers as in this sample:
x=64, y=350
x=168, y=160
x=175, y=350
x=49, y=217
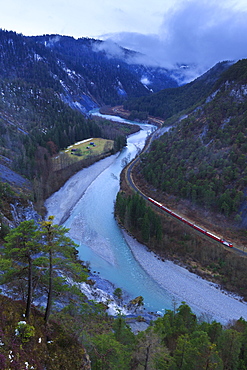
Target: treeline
x=236, y=73
x=109, y=79
x=177, y=341
x=136, y=216
x=190, y=170
x=33, y=112
x=175, y=241
x=34, y=119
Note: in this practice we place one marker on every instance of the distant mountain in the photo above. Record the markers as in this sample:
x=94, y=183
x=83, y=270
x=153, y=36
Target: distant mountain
x=48, y=85
x=46, y=82
x=168, y=102
x=81, y=71
x=106, y=74
x=203, y=159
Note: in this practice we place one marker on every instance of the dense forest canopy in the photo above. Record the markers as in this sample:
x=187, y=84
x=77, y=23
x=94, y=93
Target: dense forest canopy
x=169, y=102
x=203, y=158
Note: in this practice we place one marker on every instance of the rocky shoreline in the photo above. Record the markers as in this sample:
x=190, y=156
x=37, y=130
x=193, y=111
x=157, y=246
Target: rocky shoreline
x=201, y=295
x=204, y=297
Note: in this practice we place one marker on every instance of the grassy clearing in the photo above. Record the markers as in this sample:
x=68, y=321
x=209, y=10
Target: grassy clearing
x=82, y=150
x=88, y=147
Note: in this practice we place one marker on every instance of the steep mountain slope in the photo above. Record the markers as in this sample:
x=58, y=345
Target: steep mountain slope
x=110, y=77
x=41, y=106
x=169, y=102
x=203, y=158
x=80, y=71
x=42, y=78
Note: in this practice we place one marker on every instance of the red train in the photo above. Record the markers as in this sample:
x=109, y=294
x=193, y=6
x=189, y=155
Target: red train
x=198, y=228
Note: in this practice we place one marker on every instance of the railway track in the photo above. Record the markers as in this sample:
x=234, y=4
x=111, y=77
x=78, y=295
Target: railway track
x=196, y=228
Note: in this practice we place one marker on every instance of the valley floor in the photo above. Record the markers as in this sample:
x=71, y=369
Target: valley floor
x=198, y=293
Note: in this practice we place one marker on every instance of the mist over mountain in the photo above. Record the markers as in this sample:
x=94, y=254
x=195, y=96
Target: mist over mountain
x=48, y=86
x=84, y=67
x=169, y=102
x=50, y=83
x=195, y=34
x=204, y=155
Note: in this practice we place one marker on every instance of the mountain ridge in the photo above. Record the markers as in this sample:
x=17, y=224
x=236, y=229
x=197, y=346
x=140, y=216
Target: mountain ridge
x=207, y=147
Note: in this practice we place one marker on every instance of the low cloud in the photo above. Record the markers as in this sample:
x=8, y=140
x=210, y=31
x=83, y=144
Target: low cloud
x=197, y=34
x=202, y=31
x=145, y=80
x=110, y=47
x=53, y=40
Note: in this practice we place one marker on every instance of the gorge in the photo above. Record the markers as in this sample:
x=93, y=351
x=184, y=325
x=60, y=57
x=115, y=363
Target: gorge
x=85, y=204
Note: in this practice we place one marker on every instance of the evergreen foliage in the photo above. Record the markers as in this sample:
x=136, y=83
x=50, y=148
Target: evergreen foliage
x=177, y=340
x=22, y=244
x=171, y=101
x=40, y=259
x=109, y=78
x=136, y=216
x=41, y=98
x=203, y=158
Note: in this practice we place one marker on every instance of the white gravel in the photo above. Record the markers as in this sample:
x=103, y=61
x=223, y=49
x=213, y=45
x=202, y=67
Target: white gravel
x=62, y=202
x=199, y=294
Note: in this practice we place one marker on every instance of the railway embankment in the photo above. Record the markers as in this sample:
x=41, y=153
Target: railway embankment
x=189, y=248
x=174, y=278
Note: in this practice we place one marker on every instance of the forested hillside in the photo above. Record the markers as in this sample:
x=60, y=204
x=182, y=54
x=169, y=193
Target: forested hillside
x=43, y=109
x=82, y=72
x=87, y=338
x=46, y=83
x=107, y=77
x=169, y=102
x=198, y=170
x=47, y=86
x=203, y=157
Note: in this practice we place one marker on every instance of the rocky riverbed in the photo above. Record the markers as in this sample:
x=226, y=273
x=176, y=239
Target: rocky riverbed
x=202, y=296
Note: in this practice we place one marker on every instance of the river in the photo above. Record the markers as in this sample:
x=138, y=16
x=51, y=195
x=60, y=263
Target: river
x=86, y=202
x=93, y=226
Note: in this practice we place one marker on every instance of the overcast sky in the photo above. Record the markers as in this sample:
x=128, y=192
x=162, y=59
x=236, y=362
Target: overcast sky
x=168, y=31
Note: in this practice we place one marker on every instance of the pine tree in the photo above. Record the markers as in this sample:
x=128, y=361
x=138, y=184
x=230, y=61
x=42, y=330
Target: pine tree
x=56, y=243
x=22, y=244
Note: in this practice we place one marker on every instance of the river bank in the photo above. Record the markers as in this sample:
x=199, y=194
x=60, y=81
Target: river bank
x=199, y=294
x=60, y=203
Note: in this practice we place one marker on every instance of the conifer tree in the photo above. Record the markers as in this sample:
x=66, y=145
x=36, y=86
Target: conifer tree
x=22, y=244
x=56, y=244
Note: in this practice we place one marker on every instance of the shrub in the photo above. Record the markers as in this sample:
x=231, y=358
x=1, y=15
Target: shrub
x=25, y=331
